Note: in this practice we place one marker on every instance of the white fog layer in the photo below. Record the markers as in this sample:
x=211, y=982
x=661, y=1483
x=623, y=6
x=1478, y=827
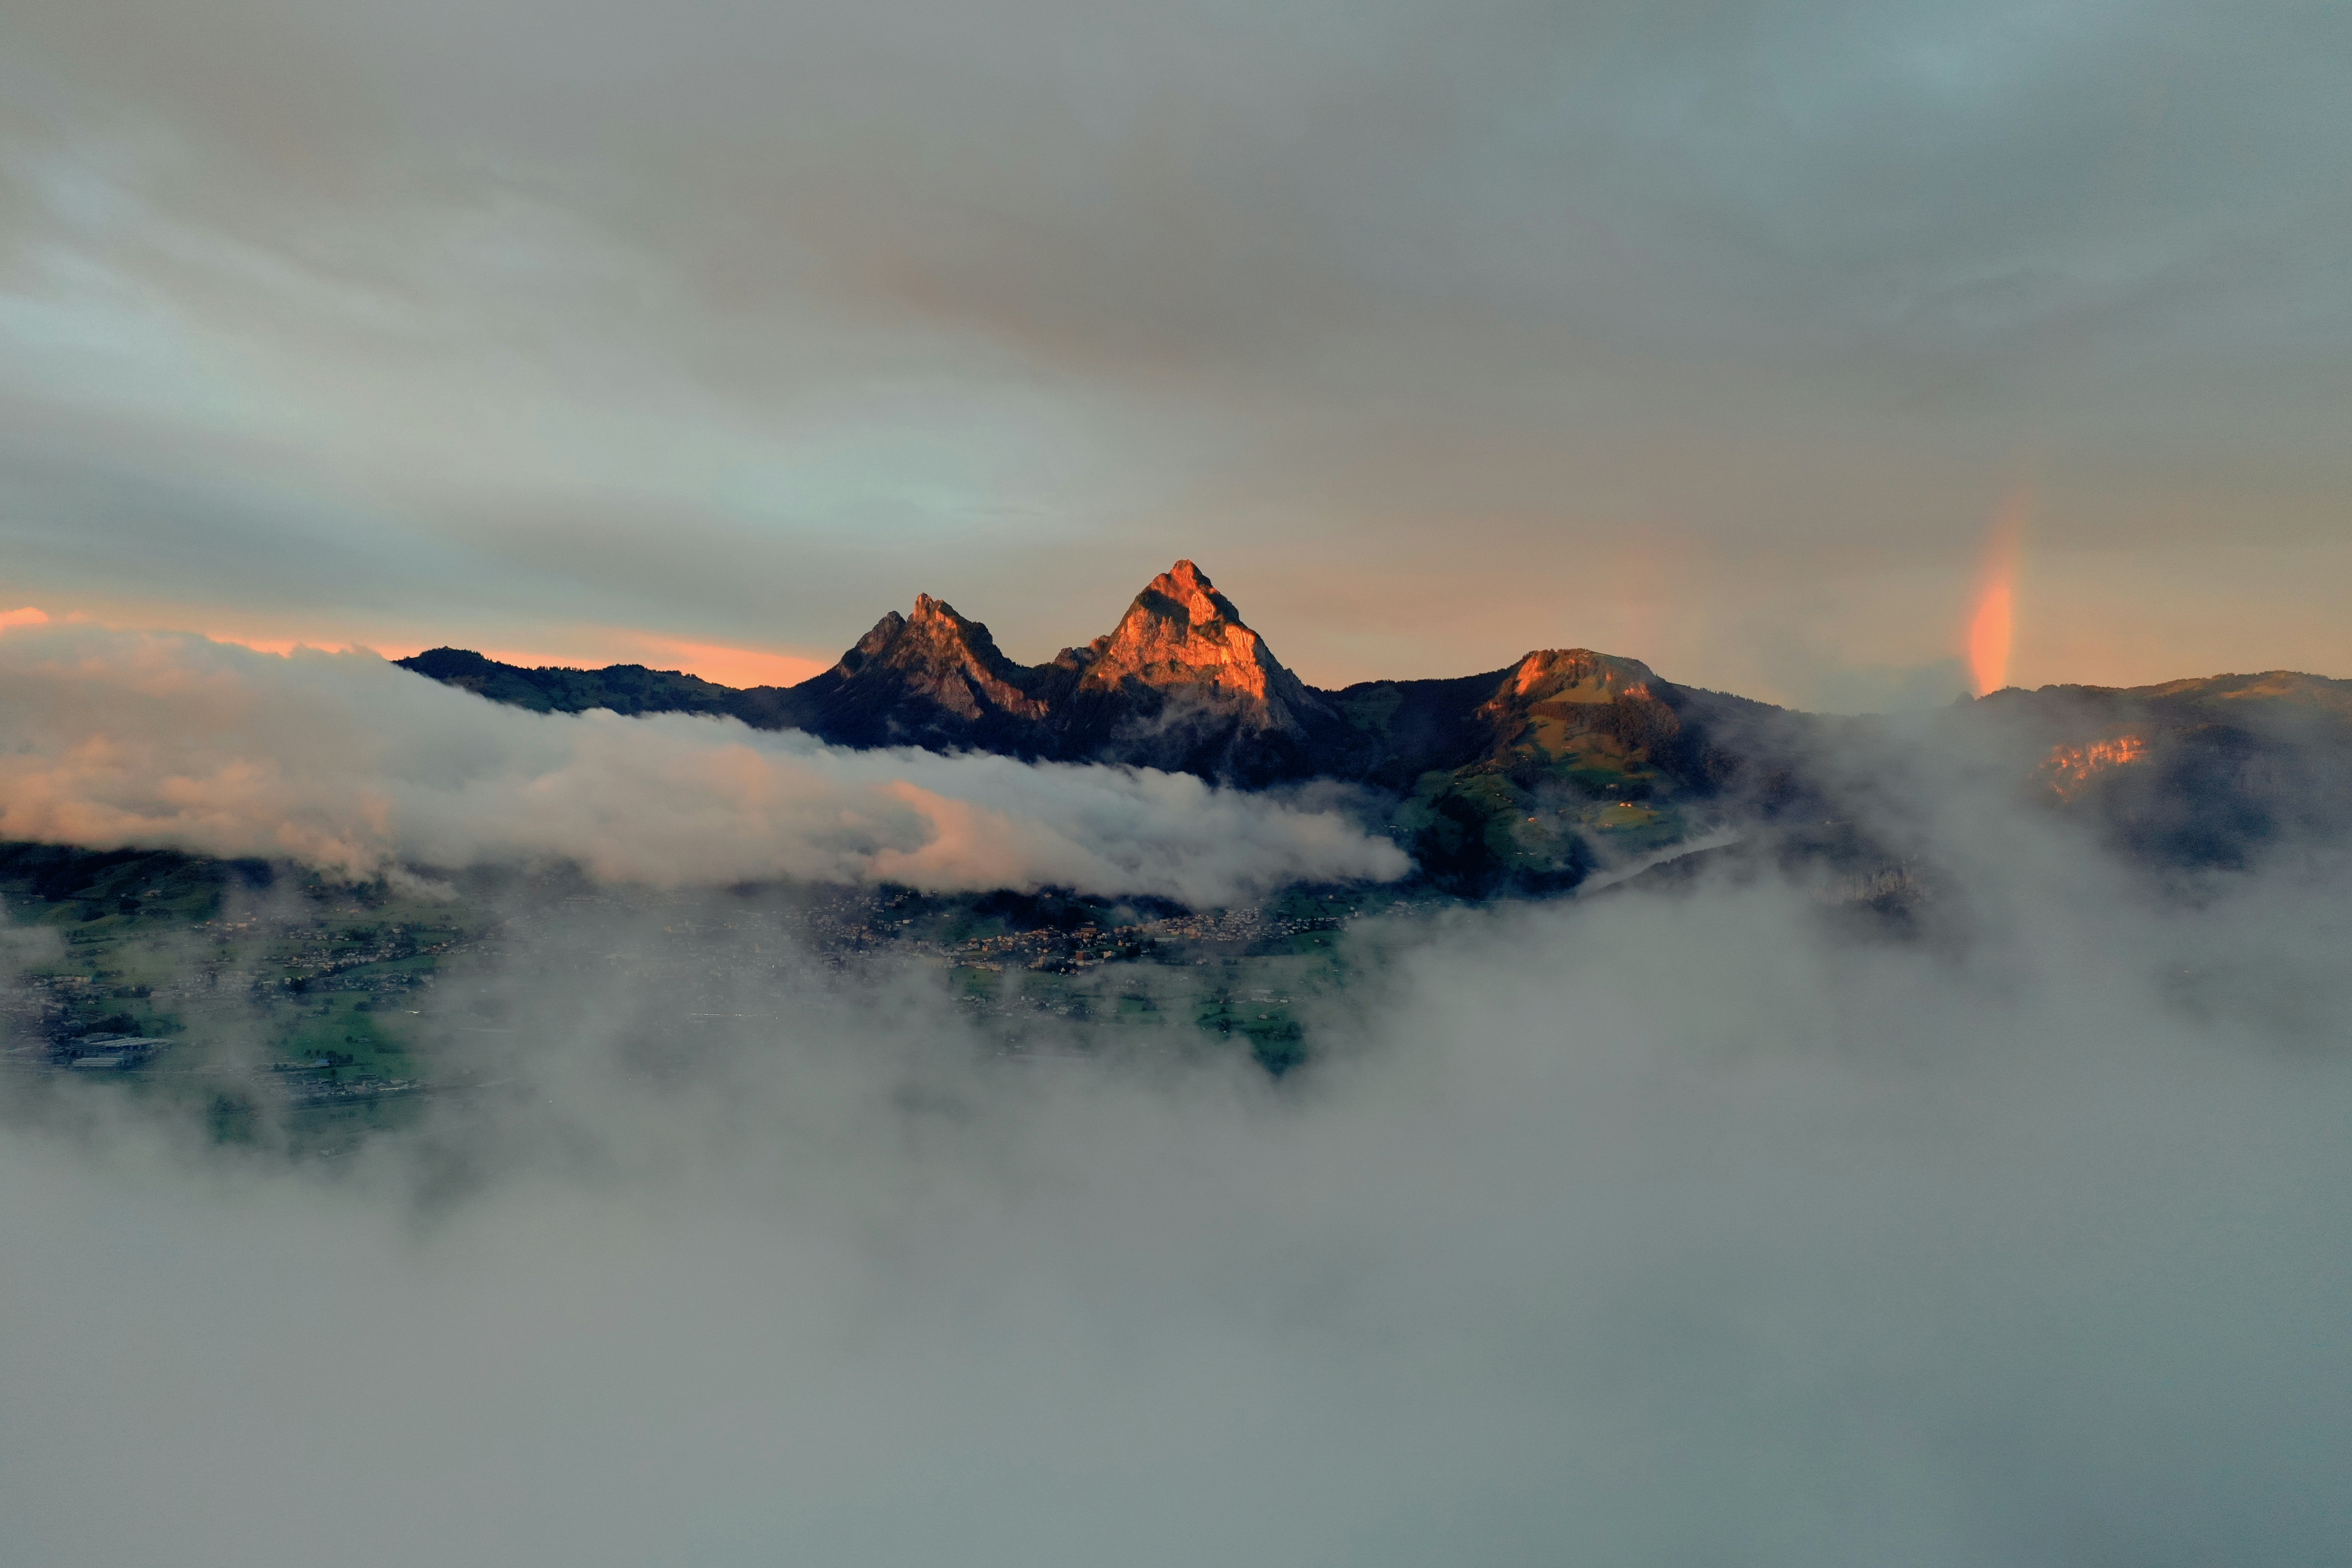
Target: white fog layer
x=343, y=761
x=1648, y=1228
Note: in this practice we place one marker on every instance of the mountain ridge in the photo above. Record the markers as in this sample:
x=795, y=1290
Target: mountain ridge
x=1181, y=657
x=1516, y=777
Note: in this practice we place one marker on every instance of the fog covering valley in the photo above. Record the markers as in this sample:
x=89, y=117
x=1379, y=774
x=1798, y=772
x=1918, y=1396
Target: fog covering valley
x=344, y=762
x=1743, y=961
x=712, y=1163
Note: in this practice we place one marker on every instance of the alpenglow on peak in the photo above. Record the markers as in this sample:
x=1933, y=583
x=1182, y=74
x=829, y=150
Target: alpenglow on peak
x=1181, y=633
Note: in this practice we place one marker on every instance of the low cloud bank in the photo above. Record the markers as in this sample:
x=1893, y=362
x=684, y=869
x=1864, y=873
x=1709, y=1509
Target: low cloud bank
x=1643, y=1228
x=346, y=763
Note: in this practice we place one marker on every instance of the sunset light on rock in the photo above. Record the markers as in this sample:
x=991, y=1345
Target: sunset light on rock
x=656, y=905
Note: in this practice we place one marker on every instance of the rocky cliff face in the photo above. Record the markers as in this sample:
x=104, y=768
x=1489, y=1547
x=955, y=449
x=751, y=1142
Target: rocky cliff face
x=930, y=678
x=943, y=659
x=1183, y=683
x=1181, y=636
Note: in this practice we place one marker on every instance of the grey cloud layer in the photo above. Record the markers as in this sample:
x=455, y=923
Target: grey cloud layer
x=1793, y=291
x=1635, y=1229
x=344, y=762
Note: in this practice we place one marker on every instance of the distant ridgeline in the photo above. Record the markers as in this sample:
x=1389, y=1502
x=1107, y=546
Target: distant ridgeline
x=623, y=687
x=1505, y=779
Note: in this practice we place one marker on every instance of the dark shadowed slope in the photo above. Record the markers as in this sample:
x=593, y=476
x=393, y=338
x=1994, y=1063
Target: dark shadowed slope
x=623, y=687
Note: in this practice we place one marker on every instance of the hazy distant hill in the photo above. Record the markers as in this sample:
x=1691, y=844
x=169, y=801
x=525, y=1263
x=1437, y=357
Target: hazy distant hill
x=1516, y=777
x=2202, y=771
x=623, y=687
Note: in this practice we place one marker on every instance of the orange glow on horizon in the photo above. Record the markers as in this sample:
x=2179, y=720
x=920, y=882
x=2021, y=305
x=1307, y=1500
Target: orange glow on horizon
x=578, y=647
x=279, y=645
x=740, y=666
x=1992, y=624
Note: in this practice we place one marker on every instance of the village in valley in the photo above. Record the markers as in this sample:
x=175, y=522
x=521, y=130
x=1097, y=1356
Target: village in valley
x=259, y=996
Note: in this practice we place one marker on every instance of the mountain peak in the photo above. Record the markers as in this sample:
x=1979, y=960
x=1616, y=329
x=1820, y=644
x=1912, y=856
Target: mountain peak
x=938, y=655
x=1186, y=585
x=885, y=632
x=1578, y=675
x=1181, y=633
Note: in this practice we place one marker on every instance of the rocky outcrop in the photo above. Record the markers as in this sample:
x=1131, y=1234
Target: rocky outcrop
x=1183, y=683
x=942, y=658
x=1180, y=635
x=930, y=678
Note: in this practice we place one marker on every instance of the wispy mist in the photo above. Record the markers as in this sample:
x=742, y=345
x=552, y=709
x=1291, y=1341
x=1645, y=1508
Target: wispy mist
x=1694, y=1228
x=346, y=763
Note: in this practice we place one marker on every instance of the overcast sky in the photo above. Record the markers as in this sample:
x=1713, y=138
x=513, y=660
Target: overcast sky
x=1709, y=334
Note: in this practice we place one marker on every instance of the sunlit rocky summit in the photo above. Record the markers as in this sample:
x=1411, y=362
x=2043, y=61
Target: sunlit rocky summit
x=1183, y=642
x=1182, y=683
x=1522, y=777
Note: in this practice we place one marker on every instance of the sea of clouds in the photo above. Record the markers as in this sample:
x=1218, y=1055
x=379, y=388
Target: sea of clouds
x=344, y=762
x=1706, y=1226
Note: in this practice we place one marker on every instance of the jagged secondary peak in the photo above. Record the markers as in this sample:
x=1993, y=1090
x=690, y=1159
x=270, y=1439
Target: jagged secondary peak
x=885, y=631
x=938, y=654
x=1181, y=633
